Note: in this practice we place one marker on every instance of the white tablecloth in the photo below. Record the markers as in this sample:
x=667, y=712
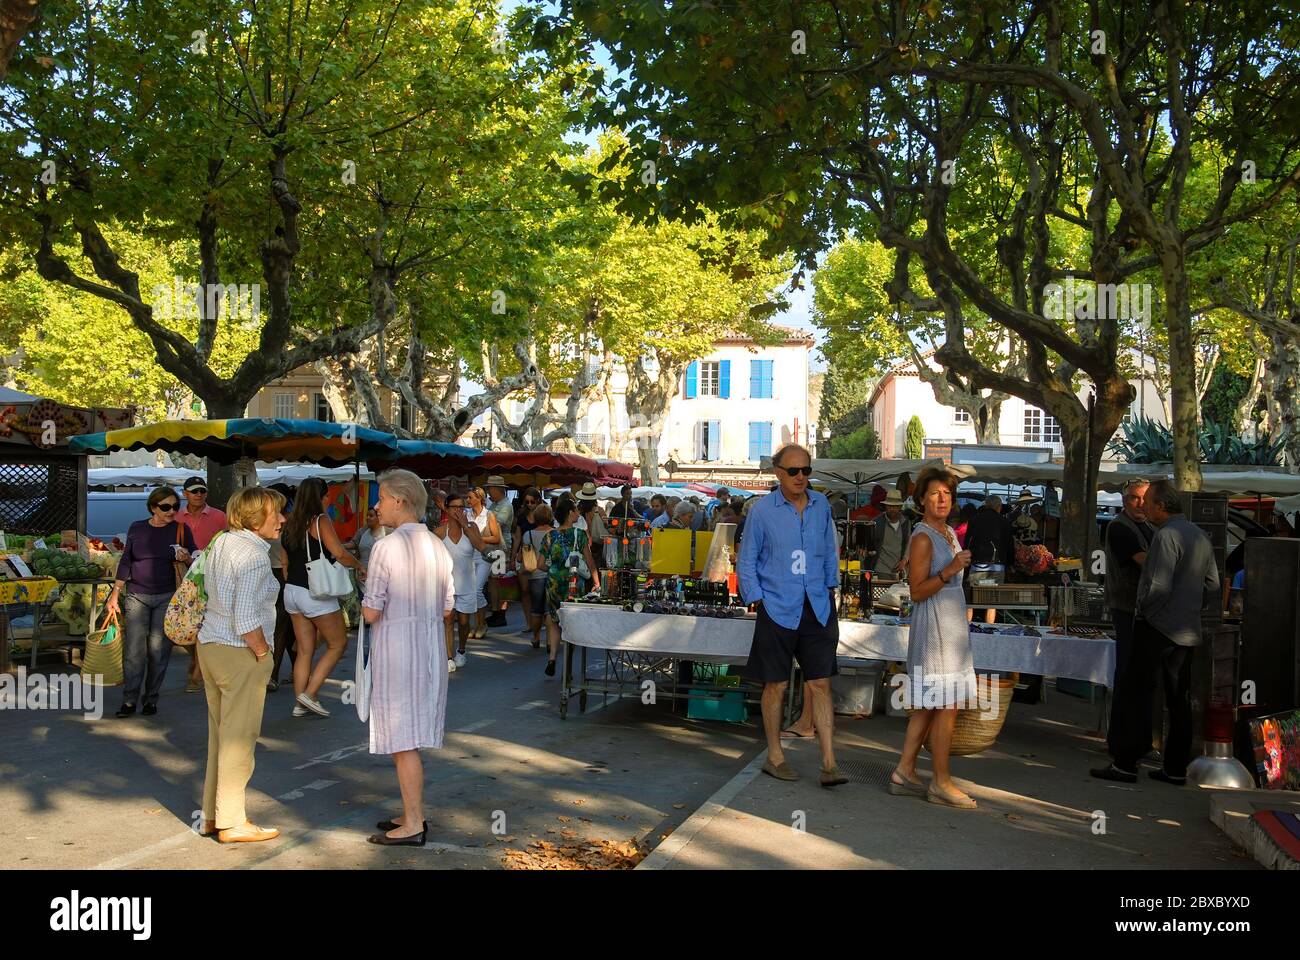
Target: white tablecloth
x=728, y=641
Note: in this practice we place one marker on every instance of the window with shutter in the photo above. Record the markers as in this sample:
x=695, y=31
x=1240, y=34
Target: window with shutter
x=284, y=406
x=760, y=379
x=724, y=379
x=760, y=440
x=692, y=379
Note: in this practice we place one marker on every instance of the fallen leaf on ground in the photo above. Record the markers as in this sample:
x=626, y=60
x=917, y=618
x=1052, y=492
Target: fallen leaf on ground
x=563, y=819
x=577, y=855
x=568, y=834
x=578, y=803
x=679, y=806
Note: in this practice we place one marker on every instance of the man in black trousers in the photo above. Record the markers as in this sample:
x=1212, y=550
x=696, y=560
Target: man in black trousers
x=1178, y=574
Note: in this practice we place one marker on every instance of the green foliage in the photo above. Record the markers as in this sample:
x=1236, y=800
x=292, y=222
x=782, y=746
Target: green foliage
x=845, y=393
x=1227, y=389
x=861, y=444
x=915, y=438
x=1146, y=441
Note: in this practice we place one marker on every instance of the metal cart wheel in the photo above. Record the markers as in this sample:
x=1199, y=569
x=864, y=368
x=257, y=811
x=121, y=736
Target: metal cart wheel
x=564, y=705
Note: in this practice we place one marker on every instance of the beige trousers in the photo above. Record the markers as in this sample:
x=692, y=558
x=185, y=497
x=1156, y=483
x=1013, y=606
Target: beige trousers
x=235, y=683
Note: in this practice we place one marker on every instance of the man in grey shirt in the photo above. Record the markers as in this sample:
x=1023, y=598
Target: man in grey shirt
x=1177, y=576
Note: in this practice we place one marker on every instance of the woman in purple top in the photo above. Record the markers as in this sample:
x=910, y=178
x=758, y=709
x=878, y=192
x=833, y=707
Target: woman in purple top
x=146, y=570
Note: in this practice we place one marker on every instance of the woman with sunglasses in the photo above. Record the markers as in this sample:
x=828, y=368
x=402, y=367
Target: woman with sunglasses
x=148, y=571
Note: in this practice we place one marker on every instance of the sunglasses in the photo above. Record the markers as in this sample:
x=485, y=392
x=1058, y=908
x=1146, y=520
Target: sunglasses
x=795, y=471
x=197, y=490
x=167, y=507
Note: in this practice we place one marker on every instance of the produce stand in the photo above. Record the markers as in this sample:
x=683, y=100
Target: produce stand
x=21, y=598
x=639, y=646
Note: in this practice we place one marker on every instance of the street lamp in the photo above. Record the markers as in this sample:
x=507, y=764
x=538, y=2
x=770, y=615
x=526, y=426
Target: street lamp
x=483, y=438
x=671, y=467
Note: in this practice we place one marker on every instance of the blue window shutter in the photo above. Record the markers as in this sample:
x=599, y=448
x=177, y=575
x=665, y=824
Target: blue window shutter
x=767, y=438
x=715, y=438
x=755, y=382
x=692, y=379
x=724, y=379
x=754, y=444
x=767, y=381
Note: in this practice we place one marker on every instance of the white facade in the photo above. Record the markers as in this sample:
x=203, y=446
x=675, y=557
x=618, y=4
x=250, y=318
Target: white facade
x=765, y=405
x=902, y=394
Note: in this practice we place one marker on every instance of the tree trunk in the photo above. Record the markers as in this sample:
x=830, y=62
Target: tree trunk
x=986, y=425
x=1283, y=371
x=647, y=402
x=221, y=477
x=16, y=18
x=1244, y=417
x=1182, y=372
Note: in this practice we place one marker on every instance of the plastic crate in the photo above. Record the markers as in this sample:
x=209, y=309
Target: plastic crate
x=1007, y=594
x=855, y=691
x=727, y=705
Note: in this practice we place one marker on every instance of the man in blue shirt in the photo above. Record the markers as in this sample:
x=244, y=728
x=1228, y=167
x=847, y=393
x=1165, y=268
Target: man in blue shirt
x=789, y=566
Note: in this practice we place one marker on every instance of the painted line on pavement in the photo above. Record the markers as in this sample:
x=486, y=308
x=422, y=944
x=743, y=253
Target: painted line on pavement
x=533, y=704
x=475, y=726
x=663, y=854
x=334, y=756
x=135, y=856
x=314, y=785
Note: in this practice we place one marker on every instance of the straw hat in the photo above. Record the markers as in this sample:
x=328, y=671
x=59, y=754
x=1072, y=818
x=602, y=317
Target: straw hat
x=495, y=481
x=893, y=499
x=588, y=491
x=1026, y=497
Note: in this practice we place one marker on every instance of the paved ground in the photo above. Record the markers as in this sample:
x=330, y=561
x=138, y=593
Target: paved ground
x=1038, y=807
x=112, y=794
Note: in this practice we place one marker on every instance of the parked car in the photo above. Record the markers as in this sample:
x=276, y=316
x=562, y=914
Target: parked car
x=110, y=515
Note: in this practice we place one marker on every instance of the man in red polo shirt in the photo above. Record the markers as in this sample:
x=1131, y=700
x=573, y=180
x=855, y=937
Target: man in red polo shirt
x=205, y=523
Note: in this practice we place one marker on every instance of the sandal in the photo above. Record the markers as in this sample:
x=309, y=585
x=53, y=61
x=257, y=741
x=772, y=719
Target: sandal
x=943, y=799
x=903, y=787
x=793, y=734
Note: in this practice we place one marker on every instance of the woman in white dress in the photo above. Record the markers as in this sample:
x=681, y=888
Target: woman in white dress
x=489, y=532
x=409, y=592
x=461, y=538
x=941, y=675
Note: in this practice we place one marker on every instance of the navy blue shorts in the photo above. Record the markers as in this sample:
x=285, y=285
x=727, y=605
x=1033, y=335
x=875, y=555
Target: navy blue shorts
x=775, y=647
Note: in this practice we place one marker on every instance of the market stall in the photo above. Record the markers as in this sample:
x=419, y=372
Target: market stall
x=641, y=646
x=43, y=487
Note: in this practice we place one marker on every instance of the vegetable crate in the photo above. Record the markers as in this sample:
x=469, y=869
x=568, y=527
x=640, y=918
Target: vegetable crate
x=1008, y=595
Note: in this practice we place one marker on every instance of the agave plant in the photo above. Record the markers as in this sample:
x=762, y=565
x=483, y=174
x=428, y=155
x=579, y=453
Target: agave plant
x=1146, y=441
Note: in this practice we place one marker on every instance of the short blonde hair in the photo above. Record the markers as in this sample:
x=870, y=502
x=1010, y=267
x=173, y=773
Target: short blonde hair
x=250, y=507
x=478, y=492
x=406, y=486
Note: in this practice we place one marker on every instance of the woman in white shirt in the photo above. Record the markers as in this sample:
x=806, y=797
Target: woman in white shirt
x=234, y=653
x=490, y=531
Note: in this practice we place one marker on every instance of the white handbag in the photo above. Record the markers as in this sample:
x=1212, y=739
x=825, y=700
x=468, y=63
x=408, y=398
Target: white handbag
x=326, y=580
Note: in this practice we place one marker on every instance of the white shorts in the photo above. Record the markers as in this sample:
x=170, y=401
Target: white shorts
x=299, y=600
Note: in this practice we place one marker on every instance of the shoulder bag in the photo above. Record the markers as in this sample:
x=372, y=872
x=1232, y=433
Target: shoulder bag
x=528, y=556
x=189, y=603
x=326, y=580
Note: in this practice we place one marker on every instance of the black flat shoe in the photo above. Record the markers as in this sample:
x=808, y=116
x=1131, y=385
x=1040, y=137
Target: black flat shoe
x=1113, y=772
x=418, y=840
x=550, y=668
x=150, y=709
x=125, y=710
x=386, y=825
